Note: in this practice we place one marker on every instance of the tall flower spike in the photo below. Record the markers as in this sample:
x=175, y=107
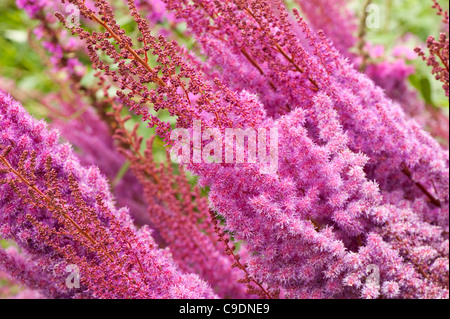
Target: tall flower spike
x=93, y=139
x=439, y=51
x=90, y=135
x=62, y=214
x=392, y=76
x=334, y=19
x=28, y=273
x=301, y=67
x=179, y=214
x=321, y=216
x=319, y=66
x=76, y=110
x=318, y=222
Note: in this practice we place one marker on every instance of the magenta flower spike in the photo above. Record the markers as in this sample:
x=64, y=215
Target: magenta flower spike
x=320, y=173
x=62, y=214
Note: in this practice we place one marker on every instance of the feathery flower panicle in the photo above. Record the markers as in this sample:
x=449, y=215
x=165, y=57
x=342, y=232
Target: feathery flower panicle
x=193, y=251
x=60, y=213
x=308, y=223
x=343, y=133
x=391, y=76
x=181, y=90
x=237, y=59
x=360, y=187
x=78, y=113
x=438, y=58
x=179, y=214
x=334, y=19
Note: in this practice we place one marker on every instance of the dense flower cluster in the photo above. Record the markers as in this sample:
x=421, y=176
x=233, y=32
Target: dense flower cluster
x=61, y=213
x=359, y=204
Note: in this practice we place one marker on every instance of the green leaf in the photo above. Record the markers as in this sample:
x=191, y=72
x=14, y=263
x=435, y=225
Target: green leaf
x=425, y=89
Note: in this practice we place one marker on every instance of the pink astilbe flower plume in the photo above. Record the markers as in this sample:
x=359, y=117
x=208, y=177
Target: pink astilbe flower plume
x=334, y=19
x=301, y=66
x=439, y=51
x=391, y=76
x=357, y=207
x=60, y=213
x=78, y=115
x=28, y=273
x=316, y=225
x=311, y=226
x=180, y=214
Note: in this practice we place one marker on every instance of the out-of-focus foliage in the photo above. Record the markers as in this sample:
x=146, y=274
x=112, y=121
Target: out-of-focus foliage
x=412, y=21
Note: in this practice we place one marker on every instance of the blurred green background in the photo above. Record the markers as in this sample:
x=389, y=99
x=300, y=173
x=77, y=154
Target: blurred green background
x=400, y=18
